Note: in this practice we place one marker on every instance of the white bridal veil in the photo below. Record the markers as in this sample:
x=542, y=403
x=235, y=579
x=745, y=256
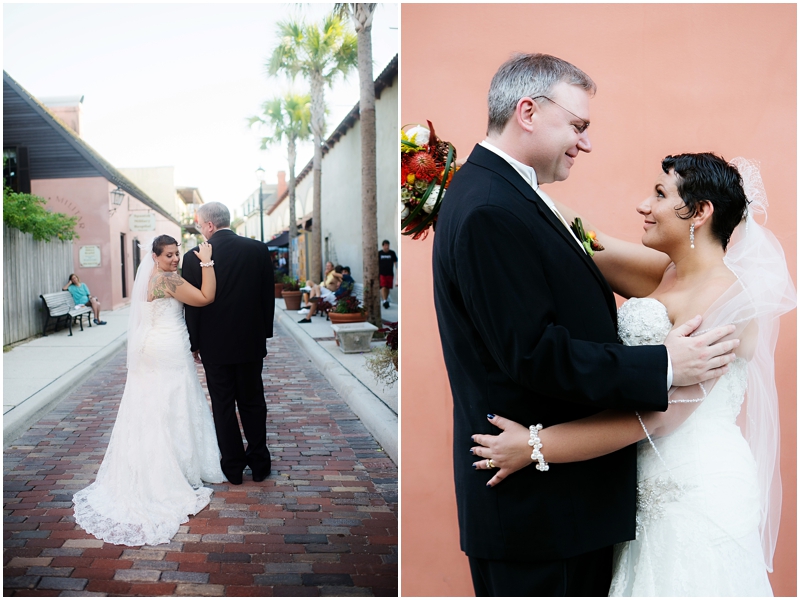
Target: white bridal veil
x=137, y=322
x=762, y=293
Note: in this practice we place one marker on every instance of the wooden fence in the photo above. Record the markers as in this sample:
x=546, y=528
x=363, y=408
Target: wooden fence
x=30, y=268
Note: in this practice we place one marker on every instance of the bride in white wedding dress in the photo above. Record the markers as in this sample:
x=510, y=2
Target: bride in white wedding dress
x=163, y=444
x=709, y=490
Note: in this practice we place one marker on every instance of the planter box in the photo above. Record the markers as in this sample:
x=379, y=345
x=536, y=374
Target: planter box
x=278, y=290
x=354, y=337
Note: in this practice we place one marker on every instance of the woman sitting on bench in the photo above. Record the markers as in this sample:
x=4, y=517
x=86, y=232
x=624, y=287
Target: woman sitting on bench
x=82, y=296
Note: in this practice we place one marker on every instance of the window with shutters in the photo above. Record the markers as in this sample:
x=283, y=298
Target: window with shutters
x=10, y=174
x=15, y=170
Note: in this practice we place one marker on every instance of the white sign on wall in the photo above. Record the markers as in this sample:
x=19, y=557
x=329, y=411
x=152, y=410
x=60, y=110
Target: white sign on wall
x=89, y=256
x=142, y=221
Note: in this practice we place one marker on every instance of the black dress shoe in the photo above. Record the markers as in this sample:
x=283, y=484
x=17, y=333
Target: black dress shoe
x=260, y=478
x=233, y=479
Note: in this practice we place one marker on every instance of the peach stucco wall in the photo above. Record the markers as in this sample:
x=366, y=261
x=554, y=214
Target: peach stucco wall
x=671, y=79
x=89, y=199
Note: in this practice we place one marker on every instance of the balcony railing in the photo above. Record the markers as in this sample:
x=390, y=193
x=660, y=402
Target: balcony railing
x=189, y=225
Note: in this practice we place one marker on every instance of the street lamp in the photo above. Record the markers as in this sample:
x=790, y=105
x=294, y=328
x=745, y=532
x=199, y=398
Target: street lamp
x=260, y=176
x=117, y=196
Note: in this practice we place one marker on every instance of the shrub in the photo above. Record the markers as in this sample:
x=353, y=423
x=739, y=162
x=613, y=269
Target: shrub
x=27, y=213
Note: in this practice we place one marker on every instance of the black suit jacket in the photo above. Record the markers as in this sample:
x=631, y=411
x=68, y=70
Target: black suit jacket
x=528, y=330
x=235, y=327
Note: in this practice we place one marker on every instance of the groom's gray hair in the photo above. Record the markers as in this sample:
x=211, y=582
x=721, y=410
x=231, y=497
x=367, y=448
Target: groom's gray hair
x=529, y=75
x=216, y=213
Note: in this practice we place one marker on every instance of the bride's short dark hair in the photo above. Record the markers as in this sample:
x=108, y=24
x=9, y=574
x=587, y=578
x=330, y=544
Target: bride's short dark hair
x=708, y=177
x=161, y=241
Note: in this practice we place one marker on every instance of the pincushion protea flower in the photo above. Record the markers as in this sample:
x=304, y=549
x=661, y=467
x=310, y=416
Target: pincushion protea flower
x=423, y=166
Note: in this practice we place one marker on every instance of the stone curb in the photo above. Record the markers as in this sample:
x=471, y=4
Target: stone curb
x=374, y=414
x=20, y=418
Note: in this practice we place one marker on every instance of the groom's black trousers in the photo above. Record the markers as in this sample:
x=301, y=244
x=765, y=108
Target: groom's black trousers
x=584, y=575
x=239, y=384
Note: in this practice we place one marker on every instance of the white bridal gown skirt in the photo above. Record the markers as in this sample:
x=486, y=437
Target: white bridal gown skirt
x=697, y=521
x=163, y=445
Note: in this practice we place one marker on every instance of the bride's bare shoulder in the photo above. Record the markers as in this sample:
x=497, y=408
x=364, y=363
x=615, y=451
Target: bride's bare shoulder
x=703, y=296
x=164, y=284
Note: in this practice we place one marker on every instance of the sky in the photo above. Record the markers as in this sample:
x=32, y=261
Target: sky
x=174, y=84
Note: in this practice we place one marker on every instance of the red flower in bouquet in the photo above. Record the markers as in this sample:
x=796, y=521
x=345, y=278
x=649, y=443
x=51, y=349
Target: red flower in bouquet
x=427, y=165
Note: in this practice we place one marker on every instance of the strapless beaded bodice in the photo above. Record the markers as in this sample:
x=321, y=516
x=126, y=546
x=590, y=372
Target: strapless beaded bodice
x=643, y=322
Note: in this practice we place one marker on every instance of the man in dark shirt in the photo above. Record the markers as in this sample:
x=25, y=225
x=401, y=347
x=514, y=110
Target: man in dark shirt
x=387, y=259
x=346, y=287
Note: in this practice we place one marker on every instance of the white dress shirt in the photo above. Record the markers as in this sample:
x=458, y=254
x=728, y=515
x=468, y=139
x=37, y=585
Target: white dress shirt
x=529, y=175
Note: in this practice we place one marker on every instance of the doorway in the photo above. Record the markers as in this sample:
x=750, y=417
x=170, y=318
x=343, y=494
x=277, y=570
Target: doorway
x=122, y=250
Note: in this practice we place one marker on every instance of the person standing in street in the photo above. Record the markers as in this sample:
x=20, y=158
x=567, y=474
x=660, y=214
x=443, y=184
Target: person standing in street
x=387, y=259
x=230, y=338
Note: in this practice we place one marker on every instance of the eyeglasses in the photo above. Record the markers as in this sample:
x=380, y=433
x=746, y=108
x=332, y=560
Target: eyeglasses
x=579, y=128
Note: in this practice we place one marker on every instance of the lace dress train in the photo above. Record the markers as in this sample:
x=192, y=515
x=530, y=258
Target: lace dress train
x=163, y=445
x=698, y=504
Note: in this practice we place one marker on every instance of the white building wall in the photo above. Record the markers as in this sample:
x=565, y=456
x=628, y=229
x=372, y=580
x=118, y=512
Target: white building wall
x=159, y=184
x=341, y=191
x=249, y=212
x=341, y=188
x=278, y=221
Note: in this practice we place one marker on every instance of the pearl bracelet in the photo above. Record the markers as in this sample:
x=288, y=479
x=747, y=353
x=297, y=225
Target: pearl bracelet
x=208, y=264
x=536, y=443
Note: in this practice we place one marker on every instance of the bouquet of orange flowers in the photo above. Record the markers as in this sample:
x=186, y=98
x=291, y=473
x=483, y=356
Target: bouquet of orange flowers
x=427, y=165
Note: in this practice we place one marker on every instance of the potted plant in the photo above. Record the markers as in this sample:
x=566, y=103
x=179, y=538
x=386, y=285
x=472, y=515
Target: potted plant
x=291, y=293
x=347, y=310
x=278, y=284
x=383, y=362
x=324, y=308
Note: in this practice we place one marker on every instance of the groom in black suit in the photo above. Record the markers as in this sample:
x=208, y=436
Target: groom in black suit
x=552, y=359
x=230, y=337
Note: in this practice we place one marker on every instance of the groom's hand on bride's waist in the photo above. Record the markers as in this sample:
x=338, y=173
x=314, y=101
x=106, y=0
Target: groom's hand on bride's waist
x=700, y=358
x=196, y=355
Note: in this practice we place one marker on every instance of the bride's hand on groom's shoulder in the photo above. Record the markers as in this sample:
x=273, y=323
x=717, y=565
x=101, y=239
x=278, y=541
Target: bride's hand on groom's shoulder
x=203, y=252
x=508, y=450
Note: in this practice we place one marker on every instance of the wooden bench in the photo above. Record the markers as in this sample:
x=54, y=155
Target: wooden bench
x=61, y=305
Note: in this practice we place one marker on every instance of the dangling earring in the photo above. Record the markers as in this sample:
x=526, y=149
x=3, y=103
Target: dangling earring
x=691, y=236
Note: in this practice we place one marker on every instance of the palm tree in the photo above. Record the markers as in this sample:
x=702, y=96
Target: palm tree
x=289, y=120
x=319, y=53
x=361, y=15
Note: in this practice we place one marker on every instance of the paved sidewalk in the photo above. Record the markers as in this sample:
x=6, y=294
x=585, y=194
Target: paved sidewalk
x=324, y=523
x=373, y=402
x=39, y=374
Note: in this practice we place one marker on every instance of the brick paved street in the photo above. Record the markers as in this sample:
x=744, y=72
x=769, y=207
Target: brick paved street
x=323, y=524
